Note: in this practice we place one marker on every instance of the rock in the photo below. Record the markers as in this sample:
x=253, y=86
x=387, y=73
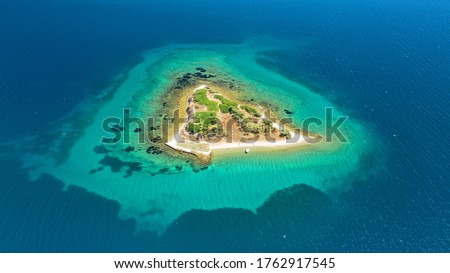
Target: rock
x=164, y=170
x=154, y=150
x=184, y=81
x=129, y=149
x=101, y=149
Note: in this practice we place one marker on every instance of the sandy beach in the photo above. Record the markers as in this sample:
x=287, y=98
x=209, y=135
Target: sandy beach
x=259, y=143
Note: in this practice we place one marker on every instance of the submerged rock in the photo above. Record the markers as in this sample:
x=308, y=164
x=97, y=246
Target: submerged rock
x=116, y=165
x=156, y=139
x=100, y=149
x=201, y=69
x=129, y=149
x=164, y=170
x=154, y=150
x=203, y=76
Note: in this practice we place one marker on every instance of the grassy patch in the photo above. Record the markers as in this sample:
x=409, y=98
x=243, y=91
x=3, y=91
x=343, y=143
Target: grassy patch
x=226, y=105
x=251, y=110
x=201, y=98
x=202, y=116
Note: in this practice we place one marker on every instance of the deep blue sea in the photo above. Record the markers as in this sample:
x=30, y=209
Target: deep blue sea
x=387, y=62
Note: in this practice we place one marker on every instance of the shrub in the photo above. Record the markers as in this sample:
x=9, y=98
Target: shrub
x=251, y=110
x=285, y=133
x=238, y=115
x=249, y=126
x=194, y=127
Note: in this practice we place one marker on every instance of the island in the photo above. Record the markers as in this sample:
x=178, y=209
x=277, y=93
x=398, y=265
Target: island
x=213, y=120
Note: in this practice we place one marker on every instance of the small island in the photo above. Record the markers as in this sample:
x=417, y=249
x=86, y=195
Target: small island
x=213, y=120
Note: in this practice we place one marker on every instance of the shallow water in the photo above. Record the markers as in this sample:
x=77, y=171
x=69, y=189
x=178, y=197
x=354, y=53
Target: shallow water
x=155, y=201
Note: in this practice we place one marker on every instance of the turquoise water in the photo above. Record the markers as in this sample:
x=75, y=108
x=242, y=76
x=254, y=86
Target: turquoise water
x=232, y=180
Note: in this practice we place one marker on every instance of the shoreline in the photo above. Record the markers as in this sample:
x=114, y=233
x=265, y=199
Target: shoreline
x=257, y=144
x=277, y=144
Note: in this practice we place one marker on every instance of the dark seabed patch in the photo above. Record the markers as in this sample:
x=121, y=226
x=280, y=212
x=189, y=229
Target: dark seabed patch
x=101, y=149
x=291, y=219
x=296, y=219
x=41, y=216
x=116, y=165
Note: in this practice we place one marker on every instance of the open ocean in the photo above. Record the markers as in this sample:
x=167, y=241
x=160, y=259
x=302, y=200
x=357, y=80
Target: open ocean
x=384, y=63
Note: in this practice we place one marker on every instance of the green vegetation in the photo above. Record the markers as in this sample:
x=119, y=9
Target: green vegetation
x=250, y=126
x=214, y=131
x=251, y=110
x=224, y=108
x=202, y=116
x=206, y=123
x=268, y=123
x=225, y=100
x=226, y=105
x=201, y=98
x=268, y=126
x=237, y=115
x=285, y=133
x=194, y=128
